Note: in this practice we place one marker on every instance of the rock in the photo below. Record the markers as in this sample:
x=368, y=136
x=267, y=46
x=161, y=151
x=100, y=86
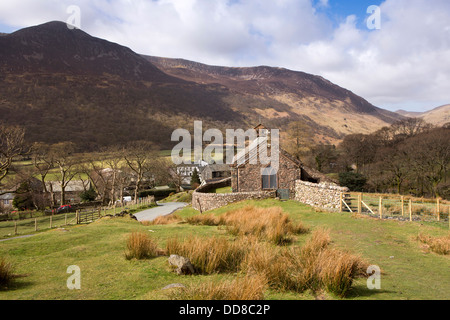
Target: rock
x=183, y=264
x=174, y=285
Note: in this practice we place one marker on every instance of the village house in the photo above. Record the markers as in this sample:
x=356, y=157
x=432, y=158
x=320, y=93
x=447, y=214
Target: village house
x=186, y=171
x=72, y=191
x=6, y=201
x=213, y=172
x=248, y=176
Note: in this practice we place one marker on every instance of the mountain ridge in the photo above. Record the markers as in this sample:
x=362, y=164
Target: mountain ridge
x=106, y=94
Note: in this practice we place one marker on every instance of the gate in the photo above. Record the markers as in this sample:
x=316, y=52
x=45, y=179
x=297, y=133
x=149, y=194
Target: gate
x=283, y=194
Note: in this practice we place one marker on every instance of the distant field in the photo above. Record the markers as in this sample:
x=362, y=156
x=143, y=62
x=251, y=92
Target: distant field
x=409, y=270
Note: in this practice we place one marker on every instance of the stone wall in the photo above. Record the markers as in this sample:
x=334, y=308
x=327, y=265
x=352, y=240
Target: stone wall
x=209, y=201
x=321, y=195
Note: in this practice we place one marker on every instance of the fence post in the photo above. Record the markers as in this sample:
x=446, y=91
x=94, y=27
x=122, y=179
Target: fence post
x=403, y=204
x=51, y=221
x=380, y=208
x=340, y=202
x=35, y=224
x=77, y=216
x=15, y=227
x=359, y=203
x=437, y=210
x=410, y=210
x=65, y=219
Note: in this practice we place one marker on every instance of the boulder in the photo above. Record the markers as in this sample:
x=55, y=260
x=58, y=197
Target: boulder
x=182, y=264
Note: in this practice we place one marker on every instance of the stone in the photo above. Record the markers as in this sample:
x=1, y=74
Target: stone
x=183, y=264
x=174, y=285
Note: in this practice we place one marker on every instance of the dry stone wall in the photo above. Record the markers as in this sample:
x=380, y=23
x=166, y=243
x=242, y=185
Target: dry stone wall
x=209, y=201
x=321, y=195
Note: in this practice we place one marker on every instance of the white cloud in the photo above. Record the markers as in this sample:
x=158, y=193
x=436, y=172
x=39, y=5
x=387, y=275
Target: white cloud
x=406, y=63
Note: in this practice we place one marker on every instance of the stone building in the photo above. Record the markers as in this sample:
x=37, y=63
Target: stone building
x=214, y=172
x=250, y=176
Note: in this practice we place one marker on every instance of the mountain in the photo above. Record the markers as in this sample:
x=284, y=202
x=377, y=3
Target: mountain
x=64, y=85
x=280, y=95
x=437, y=116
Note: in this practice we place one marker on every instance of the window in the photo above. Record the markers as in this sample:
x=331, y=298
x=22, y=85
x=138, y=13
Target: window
x=269, y=178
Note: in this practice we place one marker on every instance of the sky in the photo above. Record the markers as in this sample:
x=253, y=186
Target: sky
x=397, y=57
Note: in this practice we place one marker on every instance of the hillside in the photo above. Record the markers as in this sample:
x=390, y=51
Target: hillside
x=64, y=84
x=278, y=95
x=437, y=116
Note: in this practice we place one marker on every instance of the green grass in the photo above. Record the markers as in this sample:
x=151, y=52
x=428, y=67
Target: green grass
x=185, y=196
x=222, y=190
x=408, y=270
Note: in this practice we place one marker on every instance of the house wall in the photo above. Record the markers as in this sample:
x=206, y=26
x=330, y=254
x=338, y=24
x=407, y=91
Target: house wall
x=247, y=178
x=320, y=195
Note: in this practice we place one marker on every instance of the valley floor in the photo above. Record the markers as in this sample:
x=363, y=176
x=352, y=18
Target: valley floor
x=409, y=269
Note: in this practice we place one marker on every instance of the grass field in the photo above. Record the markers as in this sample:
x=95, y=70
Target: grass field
x=409, y=269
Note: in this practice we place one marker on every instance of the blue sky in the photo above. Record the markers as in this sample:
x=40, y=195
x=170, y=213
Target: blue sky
x=338, y=11
x=404, y=65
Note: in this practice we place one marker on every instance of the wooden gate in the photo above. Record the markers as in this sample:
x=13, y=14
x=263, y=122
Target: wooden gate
x=87, y=217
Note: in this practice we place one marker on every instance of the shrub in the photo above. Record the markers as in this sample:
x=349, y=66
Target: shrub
x=141, y=246
x=6, y=272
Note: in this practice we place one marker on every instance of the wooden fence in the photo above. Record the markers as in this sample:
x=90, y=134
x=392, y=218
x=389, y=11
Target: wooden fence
x=27, y=226
x=403, y=208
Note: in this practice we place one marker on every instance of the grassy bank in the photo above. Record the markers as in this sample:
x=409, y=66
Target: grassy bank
x=410, y=270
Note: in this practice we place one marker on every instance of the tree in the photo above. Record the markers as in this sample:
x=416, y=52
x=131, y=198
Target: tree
x=324, y=156
x=300, y=139
x=352, y=180
x=88, y=195
x=65, y=161
x=359, y=150
x=43, y=162
x=12, y=144
x=195, y=179
x=429, y=157
x=23, y=199
x=139, y=156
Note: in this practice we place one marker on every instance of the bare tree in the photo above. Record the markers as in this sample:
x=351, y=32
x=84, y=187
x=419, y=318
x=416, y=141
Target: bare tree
x=300, y=139
x=12, y=144
x=43, y=162
x=139, y=157
x=65, y=161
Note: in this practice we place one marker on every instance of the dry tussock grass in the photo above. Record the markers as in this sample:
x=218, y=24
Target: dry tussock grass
x=439, y=245
x=211, y=255
x=314, y=266
x=270, y=224
x=204, y=220
x=242, y=288
x=141, y=246
x=163, y=220
x=6, y=272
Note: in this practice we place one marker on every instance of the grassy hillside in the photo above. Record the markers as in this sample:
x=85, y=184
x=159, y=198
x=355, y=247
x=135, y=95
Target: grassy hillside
x=409, y=269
